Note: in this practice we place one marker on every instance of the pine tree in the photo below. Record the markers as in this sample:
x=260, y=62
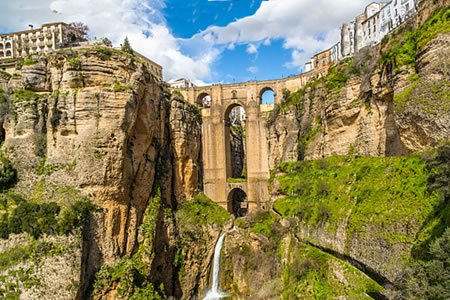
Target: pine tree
x=126, y=46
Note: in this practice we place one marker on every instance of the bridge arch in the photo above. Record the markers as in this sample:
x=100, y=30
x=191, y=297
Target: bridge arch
x=237, y=203
x=203, y=100
x=270, y=92
x=235, y=143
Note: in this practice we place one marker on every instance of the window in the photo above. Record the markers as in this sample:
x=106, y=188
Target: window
x=374, y=28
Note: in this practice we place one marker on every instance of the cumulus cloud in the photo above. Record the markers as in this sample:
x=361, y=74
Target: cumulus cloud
x=253, y=69
x=306, y=27
x=251, y=49
x=141, y=21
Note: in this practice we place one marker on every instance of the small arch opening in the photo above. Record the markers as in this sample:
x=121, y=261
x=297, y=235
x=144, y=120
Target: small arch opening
x=267, y=96
x=203, y=100
x=235, y=143
x=8, y=46
x=8, y=53
x=237, y=203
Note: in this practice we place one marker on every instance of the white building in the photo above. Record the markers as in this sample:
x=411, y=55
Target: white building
x=370, y=27
x=397, y=11
x=180, y=83
x=41, y=40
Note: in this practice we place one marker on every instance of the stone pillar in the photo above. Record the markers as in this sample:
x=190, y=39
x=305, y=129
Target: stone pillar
x=257, y=157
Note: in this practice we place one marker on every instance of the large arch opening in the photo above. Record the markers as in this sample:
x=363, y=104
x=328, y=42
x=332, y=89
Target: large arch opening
x=236, y=165
x=203, y=100
x=267, y=96
x=237, y=204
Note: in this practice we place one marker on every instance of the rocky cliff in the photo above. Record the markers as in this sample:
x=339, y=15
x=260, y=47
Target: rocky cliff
x=388, y=100
x=97, y=122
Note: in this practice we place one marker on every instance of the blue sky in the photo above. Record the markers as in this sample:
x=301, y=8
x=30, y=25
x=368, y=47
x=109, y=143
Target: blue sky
x=205, y=41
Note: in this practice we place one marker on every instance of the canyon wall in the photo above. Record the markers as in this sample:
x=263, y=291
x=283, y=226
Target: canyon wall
x=95, y=121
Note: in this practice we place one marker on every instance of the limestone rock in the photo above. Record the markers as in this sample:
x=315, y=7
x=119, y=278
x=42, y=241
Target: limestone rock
x=185, y=135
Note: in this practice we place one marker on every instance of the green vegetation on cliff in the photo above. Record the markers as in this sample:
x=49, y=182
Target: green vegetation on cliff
x=202, y=211
x=385, y=190
x=313, y=274
x=401, y=47
x=131, y=276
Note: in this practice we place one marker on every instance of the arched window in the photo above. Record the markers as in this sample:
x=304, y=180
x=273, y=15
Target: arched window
x=8, y=46
x=8, y=53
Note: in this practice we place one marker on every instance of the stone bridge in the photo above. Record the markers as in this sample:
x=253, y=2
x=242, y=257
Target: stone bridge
x=216, y=136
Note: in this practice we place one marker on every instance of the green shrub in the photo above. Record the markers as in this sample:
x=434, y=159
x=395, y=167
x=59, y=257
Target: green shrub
x=29, y=62
x=8, y=174
x=240, y=223
x=37, y=219
x=25, y=95
x=177, y=93
x=75, y=63
x=3, y=97
x=40, y=144
x=263, y=224
x=236, y=180
x=13, y=256
x=55, y=118
x=202, y=211
x=336, y=78
x=121, y=88
x=438, y=268
x=75, y=215
x=5, y=74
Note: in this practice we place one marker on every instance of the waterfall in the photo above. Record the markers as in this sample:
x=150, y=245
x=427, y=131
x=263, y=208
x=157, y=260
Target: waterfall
x=214, y=293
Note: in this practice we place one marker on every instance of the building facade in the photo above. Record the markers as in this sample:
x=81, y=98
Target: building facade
x=153, y=67
x=45, y=39
x=181, y=83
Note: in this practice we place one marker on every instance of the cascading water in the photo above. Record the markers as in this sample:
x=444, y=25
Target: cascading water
x=215, y=293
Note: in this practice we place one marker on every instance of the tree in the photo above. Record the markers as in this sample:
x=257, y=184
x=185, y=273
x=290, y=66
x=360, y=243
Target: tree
x=76, y=32
x=126, y=46
x=107, y=42
x=438, y=268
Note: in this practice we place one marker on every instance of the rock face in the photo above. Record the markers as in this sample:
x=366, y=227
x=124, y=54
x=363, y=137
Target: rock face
x=106, y=127
x=379, y=111
x=185, y=134
x=374, y=109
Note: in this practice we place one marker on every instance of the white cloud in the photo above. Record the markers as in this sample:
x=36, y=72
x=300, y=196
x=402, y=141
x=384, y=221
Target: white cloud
x=141, y=21
x=251, y=49
x=298, y=24
x=253, y=69
x=306, y=27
